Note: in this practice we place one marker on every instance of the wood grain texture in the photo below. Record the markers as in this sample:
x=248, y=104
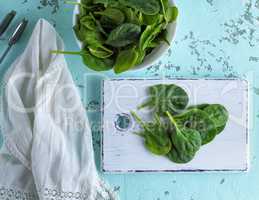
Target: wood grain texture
x=125, y=152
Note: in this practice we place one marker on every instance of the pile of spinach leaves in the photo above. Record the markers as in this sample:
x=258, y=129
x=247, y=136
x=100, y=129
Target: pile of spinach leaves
x=178, y=131
x=118, y=34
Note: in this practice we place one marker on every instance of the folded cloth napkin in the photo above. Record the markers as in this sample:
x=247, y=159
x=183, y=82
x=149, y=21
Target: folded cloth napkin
x=45, y=124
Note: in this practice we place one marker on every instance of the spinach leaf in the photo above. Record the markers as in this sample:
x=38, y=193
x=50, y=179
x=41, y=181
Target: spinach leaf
x=150, y=7
x=90, y=61
x=100, y=51
x=114, y=15
x=77, y=32
x=88, y=23
x=114, y=3
x=119, y=25
x=216, y=112
x=178, y=157
x=123, y=35
x=95, y=63
x=195, y=126
x=150, y=19
x=126, y=59
x=150, y=33
x=170, y=12
x=104, y=2
x=155, y=135
x=141, y=56
x=132, y=16
x=198, y=120
x=186, y=142
x=107, y=3
x=91, y=37
x=107, y=23
x=164, y=5
x=154, y=44
x=164, y=98
x=162, y=37
x=86, y=2
x=98, y=25
x=219, y=115
x=200, y=106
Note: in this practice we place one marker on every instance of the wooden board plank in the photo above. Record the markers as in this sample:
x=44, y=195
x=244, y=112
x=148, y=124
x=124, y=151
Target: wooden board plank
x=123, y=151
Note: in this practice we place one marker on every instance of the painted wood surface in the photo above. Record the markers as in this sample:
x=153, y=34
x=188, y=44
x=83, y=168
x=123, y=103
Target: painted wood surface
x=123, y=151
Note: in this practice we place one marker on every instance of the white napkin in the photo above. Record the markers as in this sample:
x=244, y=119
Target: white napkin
x=45, y=124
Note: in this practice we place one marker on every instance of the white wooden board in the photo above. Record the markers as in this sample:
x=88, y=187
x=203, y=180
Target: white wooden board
x=125, y=152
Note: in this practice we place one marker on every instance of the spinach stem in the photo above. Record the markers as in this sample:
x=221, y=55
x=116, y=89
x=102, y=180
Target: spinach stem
x=157, y=118
x=146, y=104
x=137, y=118
x=172, y=119
x=139, y=134
x=66, y=52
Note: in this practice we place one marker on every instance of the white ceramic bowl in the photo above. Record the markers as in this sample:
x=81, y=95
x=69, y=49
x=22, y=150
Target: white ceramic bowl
x=155, y=54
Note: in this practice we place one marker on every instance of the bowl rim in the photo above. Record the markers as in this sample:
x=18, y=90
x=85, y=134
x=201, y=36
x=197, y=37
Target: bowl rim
x=156, y=53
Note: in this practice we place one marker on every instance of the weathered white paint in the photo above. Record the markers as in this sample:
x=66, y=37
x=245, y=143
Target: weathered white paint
x=124, y=151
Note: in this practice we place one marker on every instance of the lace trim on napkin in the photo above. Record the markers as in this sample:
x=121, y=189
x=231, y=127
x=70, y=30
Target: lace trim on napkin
x=102, y=193
x=48, y=194
x=13, y=194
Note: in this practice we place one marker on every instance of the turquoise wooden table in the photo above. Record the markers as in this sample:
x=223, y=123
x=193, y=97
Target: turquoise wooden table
x=214, y=39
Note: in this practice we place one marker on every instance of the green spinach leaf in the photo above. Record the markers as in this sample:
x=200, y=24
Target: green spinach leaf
x=98, y=25
x=195, y=126
x=172, y=14
x=90, y=61
x=132, y=16
x=126, y=59
x=164, y=98
x=108, y=24
x=100, y=51
x=186, y=142
x=150, y=33
x=123, y=35
x=200, y=106
x=91, y=37
x=216, y=112
x=155, y=135
x=114, y=3
x=141, y=55
x=119, y=25
x=95, y=63
x=114, y=15
x=150, y=7
x=86, y=2
x=162, y=37
x=104, y=2
x=150, y=19
x=77, y=32
x=219, y=115
x=198, y=120
x=165, y=6
x=88, y=23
